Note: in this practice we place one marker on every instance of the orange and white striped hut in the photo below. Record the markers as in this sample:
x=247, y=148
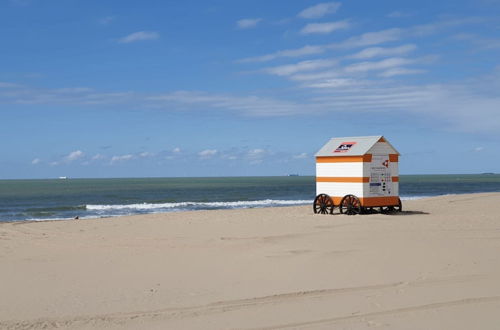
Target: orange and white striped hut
x=357, y=174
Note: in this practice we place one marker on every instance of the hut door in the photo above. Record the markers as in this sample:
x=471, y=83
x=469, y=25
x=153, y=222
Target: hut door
x=380, y=176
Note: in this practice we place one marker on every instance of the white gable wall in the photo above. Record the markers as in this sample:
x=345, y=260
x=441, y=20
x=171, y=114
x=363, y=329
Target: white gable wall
x=381, y=148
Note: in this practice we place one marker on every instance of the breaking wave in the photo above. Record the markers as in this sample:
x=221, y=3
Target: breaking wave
x=198, y=205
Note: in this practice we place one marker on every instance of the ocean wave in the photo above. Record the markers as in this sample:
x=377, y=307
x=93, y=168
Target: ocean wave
x=198, y=205
x=56, y=208
x=409, y=198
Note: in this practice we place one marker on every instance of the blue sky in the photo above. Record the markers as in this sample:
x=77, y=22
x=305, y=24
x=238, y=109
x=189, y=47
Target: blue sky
x=214, y=88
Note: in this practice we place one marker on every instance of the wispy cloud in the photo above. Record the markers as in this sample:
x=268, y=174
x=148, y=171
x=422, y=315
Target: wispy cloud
x=74, y=155
x=139, y=36
x=285, y=70
x=36, y=161
x=324, y=28
x=479, y=42
x=366, y=39
x=121, y=158
x=303, y=155
x=146, y=154
x=399, y=14
x=256, y=153
x=357, y=87
x=370, y=38
x=381, y=51
x=333, y=83
x=400, y=71
x=319, y=75
x=248, y=23
x=378, y=65
x=248, y=105
x=303, y=51
x=257, y=156
x=433, y=27
x=207, y=153
x=9, y=85
x=68, y=159
x=320, y=10
x=70, y=95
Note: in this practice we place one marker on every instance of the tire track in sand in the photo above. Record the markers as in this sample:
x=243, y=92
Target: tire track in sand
x=225, y=306
x=437, y=305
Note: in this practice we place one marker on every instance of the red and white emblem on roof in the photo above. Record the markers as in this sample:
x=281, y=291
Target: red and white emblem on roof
x=344, y=147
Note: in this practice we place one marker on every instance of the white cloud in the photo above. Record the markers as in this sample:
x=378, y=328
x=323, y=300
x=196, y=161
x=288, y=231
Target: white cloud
x=97, y=157
x=248, y=23
x=9, y=85
x=72, y=90
x=35, y=161
x=248, y=105
x=74, y=155
x=478, y=149
x=320, y=10
x=430, y=28
x=300, y=156
x=122, y=158
x=325, y=28
x=333, y=83
x=256, y=153
x=146, y=154
x=323, y=74
x=381, y=51
x=285, y=70
x=208, y=153
x=479, y=42
x=398, y=14
x=459, y=105
x=371, y=38
x=139, y=36
x=380, y=65
x=303, y=51
x=400, y=71
x=365, y=39
x=176, y=150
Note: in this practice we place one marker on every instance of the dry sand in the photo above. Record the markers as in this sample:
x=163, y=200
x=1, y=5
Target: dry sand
x=434, y=266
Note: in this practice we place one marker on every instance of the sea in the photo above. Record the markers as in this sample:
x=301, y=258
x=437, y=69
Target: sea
x=63, y=199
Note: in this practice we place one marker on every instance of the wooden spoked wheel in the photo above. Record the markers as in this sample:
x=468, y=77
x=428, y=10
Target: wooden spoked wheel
x=350, y=205
x=323, y=204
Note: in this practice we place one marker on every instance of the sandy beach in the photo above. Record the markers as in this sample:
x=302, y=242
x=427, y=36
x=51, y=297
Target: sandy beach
x=434, y=266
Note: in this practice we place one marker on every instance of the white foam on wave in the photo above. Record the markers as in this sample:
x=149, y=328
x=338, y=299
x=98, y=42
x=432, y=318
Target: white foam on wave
x=194, y=205
x=410, y=198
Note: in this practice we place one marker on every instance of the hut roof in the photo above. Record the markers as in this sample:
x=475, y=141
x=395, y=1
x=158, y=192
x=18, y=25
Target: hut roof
x=351, y=146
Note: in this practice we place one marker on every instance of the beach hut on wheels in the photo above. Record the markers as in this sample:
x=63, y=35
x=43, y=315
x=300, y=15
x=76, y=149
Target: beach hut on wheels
x=357, y=175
